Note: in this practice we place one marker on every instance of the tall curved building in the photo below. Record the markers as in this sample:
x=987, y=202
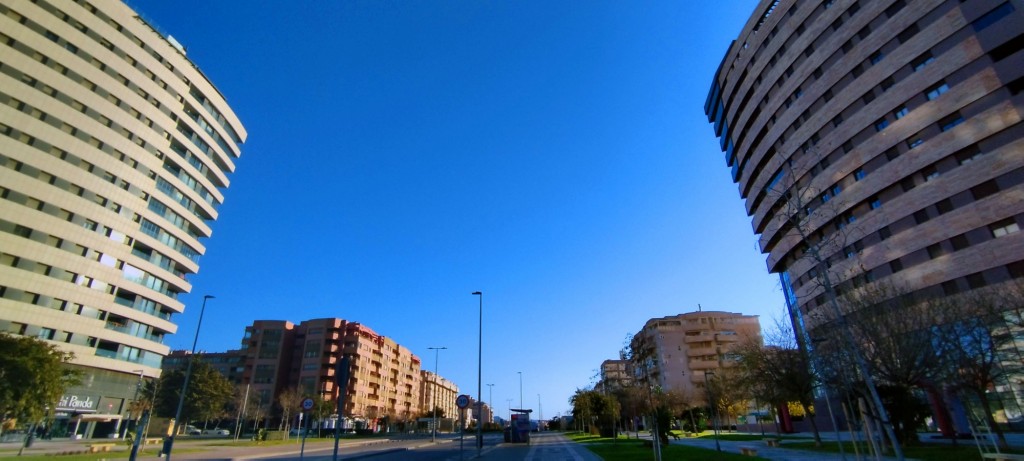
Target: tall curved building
x=114, y=152
x=896, y=124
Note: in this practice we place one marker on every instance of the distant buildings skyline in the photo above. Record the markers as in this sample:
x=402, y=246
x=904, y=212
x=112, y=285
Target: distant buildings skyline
x=386, y=382
x=115, y=153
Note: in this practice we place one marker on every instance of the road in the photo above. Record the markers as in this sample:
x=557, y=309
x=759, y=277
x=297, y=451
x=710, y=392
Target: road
x=545, y=447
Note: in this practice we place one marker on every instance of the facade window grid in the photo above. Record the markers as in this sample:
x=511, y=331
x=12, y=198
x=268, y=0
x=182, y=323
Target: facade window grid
x=92, y=87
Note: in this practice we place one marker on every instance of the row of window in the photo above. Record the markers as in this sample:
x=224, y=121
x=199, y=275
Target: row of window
x=96, y=115
x=147, y=226
x=52, y=9
x=906, y=223
x=915, y=65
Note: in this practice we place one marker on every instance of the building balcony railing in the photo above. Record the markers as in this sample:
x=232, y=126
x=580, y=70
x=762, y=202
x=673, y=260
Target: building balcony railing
x=699, y=338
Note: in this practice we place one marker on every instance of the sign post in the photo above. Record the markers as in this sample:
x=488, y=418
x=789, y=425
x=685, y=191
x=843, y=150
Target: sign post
x=462, y=402
x=307, y=404
x=341, y=375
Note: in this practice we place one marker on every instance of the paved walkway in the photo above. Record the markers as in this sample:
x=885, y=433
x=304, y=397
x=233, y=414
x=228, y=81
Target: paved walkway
x=763, y=451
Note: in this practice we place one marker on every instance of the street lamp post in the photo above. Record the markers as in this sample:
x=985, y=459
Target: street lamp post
x=135, y=401
x=169, y=444
x=520, y=389
x=433, y=431
x=479, y=376
x=714, y=411
x=490, y=399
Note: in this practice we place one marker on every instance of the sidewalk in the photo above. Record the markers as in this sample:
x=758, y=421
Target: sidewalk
x=763, y=451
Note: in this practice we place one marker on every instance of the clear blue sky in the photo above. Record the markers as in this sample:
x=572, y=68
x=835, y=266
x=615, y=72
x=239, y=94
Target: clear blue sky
x=403, y=154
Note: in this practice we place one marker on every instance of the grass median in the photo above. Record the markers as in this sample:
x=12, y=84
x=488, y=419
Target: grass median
x=623, y=449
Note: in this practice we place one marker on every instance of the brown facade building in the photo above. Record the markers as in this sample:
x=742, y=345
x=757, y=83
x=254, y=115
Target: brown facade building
x=385, y=378
x=676, y=352
x=878, y=141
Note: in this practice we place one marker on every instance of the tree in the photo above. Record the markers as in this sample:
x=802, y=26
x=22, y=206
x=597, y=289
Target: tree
x=34, y=377
x=982, y=345
x=777, y=373
x=438, y=411
x=816, y=224
x=288, y=401
x=596, y=409
x=906, y=355
x=208, y=395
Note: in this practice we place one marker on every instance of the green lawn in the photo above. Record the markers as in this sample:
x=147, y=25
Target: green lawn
x=965, y=451
x=623, y=449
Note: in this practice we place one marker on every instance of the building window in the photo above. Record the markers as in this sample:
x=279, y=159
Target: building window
x=993, y=16
x=1004, y=228
x=901, y=112
x=895, y=266
x=881, y=124
x=859, y=174
x=936, y=91
x=950, y=121
x=921, y=61
x=875, y=203
x=914, y=142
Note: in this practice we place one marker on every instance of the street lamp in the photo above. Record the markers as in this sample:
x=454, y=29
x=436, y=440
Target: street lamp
x=714, y=412
x=490, y=399
x=169, y=444
x=479, y=376
x=520, y=389
x=433, y=431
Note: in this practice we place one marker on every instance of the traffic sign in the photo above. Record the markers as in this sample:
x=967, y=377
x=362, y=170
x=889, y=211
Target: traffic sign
x=462, y=401
x=307, y=404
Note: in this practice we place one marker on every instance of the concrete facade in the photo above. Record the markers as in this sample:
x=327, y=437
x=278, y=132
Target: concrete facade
x=437, y=391
x=675, y=352
x=114, y=153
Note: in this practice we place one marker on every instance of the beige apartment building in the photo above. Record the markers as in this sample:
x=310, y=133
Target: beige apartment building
x=615, y=374
x=437, y=391
x=115, y=151
x=385, y=380
x=675, y=352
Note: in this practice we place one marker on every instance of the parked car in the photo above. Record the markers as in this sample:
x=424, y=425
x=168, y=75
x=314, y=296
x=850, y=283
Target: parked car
x=191, y=430
x=217, y=431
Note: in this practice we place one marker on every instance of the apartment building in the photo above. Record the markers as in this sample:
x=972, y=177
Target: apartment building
x=894, y=126
x=115, y=151
x=676, y=352
x=615, y=374
x=385, y=378
x=437, y=391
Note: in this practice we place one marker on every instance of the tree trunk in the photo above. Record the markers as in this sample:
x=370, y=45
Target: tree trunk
x=986, y=406
x=814, y=424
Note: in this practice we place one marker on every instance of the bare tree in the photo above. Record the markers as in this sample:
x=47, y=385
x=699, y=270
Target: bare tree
x=981, y=347
x=817, y=224
x=288, y=400
x=904, y=352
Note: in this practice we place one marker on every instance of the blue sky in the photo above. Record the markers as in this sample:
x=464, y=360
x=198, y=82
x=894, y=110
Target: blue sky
x=403, y=154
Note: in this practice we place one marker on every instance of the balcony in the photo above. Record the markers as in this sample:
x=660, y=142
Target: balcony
x=703, y=364
x=699, y=338
x=701, y=351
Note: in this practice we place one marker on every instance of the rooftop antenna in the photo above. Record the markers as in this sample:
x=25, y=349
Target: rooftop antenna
x=698, y=307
